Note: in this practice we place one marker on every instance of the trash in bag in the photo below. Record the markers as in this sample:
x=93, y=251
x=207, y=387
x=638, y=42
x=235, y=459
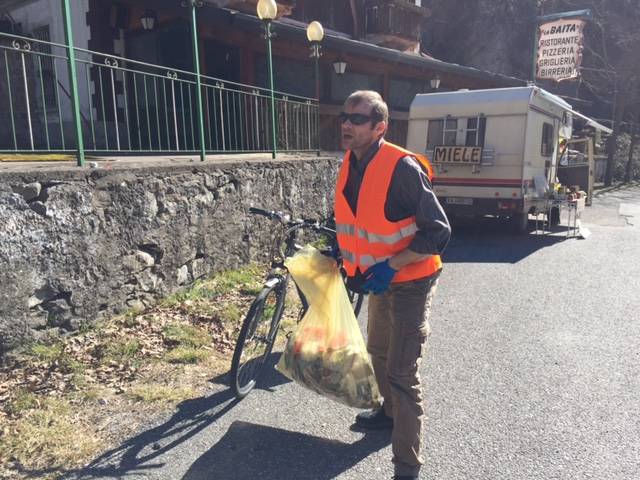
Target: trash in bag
x=326, y=353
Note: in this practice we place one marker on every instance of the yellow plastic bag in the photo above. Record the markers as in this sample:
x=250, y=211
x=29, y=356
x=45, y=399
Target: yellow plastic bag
x=327, y=353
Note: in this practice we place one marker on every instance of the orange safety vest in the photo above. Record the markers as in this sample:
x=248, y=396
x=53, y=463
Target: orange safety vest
x=368, y=237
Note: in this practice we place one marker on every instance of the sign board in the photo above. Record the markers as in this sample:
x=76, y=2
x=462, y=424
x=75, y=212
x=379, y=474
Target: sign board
x=454, y=154
x=560, y=49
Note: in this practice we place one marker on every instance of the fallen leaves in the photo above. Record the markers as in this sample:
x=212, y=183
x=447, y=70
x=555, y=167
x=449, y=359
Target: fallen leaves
x=127, y=367
x=117, y=353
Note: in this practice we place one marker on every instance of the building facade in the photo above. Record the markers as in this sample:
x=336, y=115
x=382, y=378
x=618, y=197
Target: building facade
x=138, y=92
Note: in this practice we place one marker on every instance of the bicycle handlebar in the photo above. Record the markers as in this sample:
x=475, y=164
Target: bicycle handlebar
x=269, y=214
x=292, y=224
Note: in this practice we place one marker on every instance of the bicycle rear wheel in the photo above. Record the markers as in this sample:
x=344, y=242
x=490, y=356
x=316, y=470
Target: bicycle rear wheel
x=256, y=339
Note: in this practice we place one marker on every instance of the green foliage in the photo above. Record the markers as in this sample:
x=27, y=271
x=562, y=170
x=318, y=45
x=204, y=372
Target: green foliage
x=21, y=401
x=54, y=353
x=186, y=355
x=230, y=280
x=230, y=314
x=155, y=393
x=45, y=352
x=122, y=351
x=186, y=335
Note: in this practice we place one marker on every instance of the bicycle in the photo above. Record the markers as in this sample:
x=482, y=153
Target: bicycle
x=260, y=327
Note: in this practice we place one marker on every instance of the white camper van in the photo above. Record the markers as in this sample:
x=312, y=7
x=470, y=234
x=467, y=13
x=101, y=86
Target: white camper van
x=494, y=152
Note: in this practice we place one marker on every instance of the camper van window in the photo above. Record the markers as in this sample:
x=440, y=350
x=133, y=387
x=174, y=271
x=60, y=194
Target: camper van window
x=442, y=132
x=547, y=140
x=476, y=128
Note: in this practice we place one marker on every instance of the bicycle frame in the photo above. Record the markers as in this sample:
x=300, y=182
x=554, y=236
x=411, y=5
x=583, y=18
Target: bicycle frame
x=276, y=283
x=278, y=275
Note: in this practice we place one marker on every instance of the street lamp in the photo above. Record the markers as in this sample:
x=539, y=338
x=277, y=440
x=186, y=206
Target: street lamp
x=148, y=19
x=193, y=5
x=315, y=34
x=435, y=82
x=267, y=11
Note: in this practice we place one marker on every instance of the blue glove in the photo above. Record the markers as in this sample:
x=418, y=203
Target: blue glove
x=378, y=278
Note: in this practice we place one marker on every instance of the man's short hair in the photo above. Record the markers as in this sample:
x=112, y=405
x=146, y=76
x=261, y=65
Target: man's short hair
x=379, y=109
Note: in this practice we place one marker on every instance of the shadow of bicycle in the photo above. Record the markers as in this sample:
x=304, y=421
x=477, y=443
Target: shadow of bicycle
x=250, y=451
x=142, y=453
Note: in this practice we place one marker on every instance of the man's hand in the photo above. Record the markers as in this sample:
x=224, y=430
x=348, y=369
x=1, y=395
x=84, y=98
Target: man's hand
x=333, y=252
x=378, y=278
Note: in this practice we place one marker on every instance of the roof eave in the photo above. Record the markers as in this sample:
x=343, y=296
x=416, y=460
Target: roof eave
x=352, y=46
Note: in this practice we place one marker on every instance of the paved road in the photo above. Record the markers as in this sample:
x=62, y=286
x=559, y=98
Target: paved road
x=532, y=372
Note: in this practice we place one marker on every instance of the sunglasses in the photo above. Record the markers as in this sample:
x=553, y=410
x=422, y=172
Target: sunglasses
x=355, y=118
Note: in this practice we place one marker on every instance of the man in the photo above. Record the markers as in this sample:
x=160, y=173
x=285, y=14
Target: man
x=391, y=230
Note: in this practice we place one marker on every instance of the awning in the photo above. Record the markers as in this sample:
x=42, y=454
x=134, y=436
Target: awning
x=591, y=122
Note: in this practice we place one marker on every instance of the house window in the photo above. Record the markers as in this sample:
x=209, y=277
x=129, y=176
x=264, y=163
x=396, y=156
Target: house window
x=344, y=85
x=291, y=77
x=476, y=128
x=402, y=92
x=547, y=140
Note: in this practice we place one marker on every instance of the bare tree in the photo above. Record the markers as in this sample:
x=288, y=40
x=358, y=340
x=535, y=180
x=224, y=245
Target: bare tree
x=612, y=72
x=634, y=139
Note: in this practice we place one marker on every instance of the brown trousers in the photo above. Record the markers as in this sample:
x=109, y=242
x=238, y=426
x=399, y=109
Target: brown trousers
x=398, y=327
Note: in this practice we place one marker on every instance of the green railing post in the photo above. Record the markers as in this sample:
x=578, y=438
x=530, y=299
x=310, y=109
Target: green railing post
x=273, y=101
x=196, y=63
x=316, y=54
x=73, y=82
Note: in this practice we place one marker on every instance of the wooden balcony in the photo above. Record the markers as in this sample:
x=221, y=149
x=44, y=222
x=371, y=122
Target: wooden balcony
x=285, y=7
x=394, y=24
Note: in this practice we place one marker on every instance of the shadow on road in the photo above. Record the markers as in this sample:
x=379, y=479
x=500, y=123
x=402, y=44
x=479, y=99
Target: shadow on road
x=269, y=379
x=492, y=241
x=137, y=454
x=256, y=451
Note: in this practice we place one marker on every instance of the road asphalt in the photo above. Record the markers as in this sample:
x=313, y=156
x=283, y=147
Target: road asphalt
x=532, y=371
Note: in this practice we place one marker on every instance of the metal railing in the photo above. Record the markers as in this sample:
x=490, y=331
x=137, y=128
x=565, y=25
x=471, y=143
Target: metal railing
x=132, y=107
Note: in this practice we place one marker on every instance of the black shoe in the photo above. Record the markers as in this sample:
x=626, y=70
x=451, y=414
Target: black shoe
x=374, y=420
x=405, y=477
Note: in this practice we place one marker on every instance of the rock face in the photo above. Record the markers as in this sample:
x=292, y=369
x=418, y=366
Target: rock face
x=493, y=36
x=80, y=245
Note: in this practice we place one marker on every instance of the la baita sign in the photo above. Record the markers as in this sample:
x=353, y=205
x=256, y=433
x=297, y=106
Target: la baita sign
x=560, y=47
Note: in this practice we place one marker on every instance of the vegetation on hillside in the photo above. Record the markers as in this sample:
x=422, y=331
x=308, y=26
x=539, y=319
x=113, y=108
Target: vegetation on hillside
x=499, y=36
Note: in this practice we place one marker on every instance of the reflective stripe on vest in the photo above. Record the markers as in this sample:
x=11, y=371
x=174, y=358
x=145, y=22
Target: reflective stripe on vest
x=345, y=229
x=369, y=260
x=371, y=237
x=348, y=256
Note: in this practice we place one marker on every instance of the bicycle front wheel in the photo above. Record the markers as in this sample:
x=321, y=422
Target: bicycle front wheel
x=256, y=339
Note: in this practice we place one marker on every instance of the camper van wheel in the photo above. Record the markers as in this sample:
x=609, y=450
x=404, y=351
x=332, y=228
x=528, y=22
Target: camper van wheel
x=554, y=216
x=520, y=222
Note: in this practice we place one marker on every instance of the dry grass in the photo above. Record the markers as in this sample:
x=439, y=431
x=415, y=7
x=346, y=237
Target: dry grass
x=185, y=355
x=49, y=434
x=37, y=157
x=158, y=393
x=57, y=399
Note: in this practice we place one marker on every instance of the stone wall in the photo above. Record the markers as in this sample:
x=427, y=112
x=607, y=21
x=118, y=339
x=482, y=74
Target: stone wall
x=78, y=245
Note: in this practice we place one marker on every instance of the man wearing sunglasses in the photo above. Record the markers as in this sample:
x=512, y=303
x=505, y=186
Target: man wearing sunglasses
x=391, y=231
